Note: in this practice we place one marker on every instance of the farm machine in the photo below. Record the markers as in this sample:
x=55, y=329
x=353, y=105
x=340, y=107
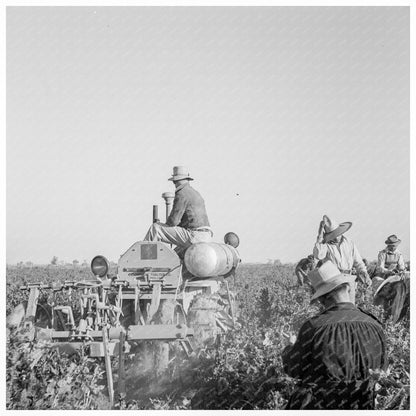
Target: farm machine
x=154, y=296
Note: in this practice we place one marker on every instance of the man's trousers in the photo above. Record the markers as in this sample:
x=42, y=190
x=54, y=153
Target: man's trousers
x=179, y=236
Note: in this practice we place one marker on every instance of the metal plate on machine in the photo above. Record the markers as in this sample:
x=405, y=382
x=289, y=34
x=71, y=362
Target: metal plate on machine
x=148, y=251
x=97, y=349
x=145, y=257
x=158, y=332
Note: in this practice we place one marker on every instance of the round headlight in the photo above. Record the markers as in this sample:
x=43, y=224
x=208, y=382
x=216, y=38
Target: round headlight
x=232, y=239
x=100, y=266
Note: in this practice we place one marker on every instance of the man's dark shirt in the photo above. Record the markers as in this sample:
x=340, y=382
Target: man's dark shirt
x=332, y=356
x=188, y=209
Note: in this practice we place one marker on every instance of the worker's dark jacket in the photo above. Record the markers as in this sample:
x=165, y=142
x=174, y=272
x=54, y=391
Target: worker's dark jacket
x=188, y=209
x=332, y=357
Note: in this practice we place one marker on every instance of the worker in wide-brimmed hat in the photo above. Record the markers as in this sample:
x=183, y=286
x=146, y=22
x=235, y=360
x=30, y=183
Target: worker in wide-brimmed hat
x=331, y=244
x=335, y=350
x=188, y=221
x=390, y=260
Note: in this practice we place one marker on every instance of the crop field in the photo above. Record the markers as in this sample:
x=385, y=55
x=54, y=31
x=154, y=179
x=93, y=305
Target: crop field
x=242, y=371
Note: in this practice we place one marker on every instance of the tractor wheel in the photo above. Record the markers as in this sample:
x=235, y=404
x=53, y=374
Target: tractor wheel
x=202, y=319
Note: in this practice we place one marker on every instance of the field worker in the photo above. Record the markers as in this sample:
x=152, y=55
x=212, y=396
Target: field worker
x=303, y=268
x=188, y=221
x=332, y=245
x=390, y=259
x=334, y=350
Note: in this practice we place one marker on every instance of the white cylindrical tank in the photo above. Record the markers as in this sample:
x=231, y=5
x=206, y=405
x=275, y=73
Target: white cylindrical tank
x=211, y=259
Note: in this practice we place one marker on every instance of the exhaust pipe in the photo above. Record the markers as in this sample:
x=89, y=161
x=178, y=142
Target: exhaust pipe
x=155, y=213
x=168, y=197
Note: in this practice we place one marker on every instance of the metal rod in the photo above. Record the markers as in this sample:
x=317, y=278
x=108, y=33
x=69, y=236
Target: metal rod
x=108, y=370
x=121, y=371
x=155, y=213
x=31, y=307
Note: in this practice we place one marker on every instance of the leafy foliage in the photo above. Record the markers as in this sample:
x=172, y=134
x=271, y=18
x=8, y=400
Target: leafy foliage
x=39, y=377
x=242, y=371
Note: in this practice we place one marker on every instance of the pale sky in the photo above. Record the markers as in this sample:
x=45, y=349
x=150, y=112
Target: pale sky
x=281, y=114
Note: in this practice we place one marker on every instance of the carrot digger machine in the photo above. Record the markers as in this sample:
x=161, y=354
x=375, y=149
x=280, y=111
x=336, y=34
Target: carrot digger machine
x=154, y=296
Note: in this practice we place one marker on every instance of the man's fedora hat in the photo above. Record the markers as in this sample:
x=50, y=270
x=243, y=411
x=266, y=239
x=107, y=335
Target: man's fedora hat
x=326, y=278
x=332, y=229
x=392, y=240
x=180, y=172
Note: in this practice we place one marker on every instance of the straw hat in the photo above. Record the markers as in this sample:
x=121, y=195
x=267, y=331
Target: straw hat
x=326, y=278
x=332, y=229
x=392, y=240
x=180, y=172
